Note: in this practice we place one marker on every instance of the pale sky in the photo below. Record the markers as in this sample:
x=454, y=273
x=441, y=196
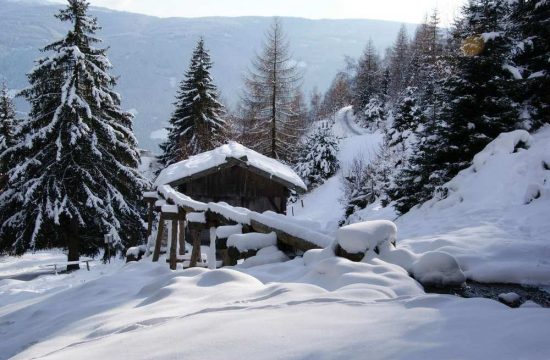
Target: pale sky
x=397, y=10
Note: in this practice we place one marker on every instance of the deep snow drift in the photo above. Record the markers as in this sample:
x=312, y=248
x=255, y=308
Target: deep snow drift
x=325, y=307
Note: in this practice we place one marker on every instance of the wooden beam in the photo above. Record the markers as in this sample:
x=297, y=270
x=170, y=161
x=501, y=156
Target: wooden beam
x=174, y=244
x=160, y=231
x=150, y=218
x=291, y=240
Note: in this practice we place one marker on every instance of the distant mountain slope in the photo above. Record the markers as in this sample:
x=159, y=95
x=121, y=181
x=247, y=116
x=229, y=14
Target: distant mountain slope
x=150, y=54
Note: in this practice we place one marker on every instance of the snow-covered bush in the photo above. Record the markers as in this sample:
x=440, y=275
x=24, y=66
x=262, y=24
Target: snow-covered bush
x=317, y=160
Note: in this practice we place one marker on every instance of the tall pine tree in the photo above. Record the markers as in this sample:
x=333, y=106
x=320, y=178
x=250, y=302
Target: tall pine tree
x=196, y=124
x=368, y=80
x=7, y=124
x=76, y=177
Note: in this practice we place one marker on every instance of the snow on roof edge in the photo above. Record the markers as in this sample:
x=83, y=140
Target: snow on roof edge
x=221, y=155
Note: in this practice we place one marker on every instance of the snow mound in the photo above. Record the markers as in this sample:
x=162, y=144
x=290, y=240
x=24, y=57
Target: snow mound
x=252, y=241
x=364, y=236
x=505, y=143
x=267, y=255
x=436, y=268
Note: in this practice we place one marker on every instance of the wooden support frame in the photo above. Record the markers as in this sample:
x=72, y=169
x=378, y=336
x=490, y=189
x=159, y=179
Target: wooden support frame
x=174, y=244
x=160, y=231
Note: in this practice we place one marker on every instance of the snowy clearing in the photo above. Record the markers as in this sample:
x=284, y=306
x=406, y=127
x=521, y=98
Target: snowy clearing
x=285, y=310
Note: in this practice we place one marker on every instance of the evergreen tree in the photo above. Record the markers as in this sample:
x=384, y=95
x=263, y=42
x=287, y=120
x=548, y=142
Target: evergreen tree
x=7, y=128
x=76, y=177
x=374, y=113
x=399, y=62
x=196, y=124
x=318, y=157
x=477, y=107
x=270, y=91
x=530, y=29
x=367, y=82
x=408, y=120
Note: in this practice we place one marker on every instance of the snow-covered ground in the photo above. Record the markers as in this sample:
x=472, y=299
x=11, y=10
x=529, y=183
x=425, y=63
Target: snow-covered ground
x=320, y=308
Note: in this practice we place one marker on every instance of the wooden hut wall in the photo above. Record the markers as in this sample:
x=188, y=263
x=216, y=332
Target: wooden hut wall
x=238, y=186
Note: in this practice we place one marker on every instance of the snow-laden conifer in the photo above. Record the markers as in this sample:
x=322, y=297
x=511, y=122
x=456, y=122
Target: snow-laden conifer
x=196, y=124
x=318, y=157
x=76, y=177
x=7, y=132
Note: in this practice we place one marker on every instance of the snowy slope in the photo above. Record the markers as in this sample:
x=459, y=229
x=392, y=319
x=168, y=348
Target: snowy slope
x=151, y=54
x=491, y=221
x=323, y=203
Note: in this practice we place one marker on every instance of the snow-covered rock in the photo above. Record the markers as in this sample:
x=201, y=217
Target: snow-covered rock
x=436, y=268
x=510, y=298
x=364, y=236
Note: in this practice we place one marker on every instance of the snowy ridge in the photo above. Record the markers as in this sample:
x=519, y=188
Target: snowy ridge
x=494, y=220
x=221, y=155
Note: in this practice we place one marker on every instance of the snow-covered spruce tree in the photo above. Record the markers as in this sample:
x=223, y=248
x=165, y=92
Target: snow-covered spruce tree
x=7, y=128
x=374, y=114
x=367, y=82
x=196, y=124
x=476, y=106
x=76, y=177
x=530, y=30
x=408, y=120
x=318, y=157
x=427, y=64
x=267, y=102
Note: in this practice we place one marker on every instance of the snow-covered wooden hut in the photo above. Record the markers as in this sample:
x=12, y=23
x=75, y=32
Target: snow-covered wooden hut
x=234, y=174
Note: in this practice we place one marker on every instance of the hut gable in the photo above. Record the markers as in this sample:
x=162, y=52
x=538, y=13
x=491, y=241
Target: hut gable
x=226, y=156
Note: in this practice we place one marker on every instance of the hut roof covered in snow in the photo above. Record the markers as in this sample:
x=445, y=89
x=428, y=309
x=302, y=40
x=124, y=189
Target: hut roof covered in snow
x=231, y=154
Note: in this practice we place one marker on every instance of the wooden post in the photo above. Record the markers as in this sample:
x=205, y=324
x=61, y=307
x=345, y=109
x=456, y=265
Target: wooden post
x=182, y=225
x=173, y=244
x=196, y=253
x=150, y=218
x=212, y=249
x=160, y=231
